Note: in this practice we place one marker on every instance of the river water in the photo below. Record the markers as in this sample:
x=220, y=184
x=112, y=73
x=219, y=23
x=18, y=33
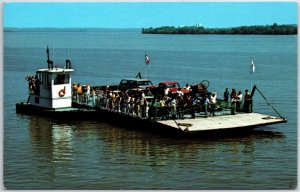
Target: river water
x=42, y=153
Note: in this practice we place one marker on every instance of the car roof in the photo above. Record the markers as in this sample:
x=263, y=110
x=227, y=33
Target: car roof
x=169, y=82
x=135, y=79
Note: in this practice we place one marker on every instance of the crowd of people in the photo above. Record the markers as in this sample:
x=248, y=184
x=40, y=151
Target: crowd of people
x=236, y=100
x=147, y=104
x=83, y=94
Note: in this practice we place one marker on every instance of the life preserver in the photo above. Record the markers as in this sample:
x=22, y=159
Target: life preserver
x=61, y=93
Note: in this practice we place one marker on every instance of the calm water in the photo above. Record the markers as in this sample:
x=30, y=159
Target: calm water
x=41, y=153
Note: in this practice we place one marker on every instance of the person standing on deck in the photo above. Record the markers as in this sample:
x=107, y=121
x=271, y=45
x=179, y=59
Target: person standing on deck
x=191, y=102
x=137, y=105
x=187, y=87
x=79, y=93
x=79, y=88
x=206, y=102
x=239, y=100
x=146, y=103
x=93, y=98
x=113, y=99
x=233, y=96
x=127, y=103
x=148, y=92
x=162, y=106
x=180, y=106
x=226, y=95
x=132, y=102
x=87, y=93
x=88, y=89
x=74, y=88
x=143, y=104
x=166, y=91
x=74, y=92
x=247, y=102
x=173, y=106
x=108, y=100
x=213, y=101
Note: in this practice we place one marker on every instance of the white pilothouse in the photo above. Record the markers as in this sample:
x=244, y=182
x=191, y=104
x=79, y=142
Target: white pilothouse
x=51, y=87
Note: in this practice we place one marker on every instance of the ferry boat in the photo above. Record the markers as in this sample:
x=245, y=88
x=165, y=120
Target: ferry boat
x=52, y=94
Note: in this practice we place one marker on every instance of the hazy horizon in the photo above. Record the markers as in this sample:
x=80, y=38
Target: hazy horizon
x=147, y=14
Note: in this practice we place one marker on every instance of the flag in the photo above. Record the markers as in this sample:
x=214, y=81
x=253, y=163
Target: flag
x=147, y=60
x=252, y=67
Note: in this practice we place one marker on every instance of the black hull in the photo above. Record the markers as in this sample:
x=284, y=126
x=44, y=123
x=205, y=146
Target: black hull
x=80, y=112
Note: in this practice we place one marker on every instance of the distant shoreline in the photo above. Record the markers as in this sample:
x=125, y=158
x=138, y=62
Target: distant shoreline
x=274, y=29
x=61, y=29
x=288, y=29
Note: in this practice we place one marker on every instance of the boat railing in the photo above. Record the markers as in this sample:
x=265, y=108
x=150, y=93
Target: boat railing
x=198, y=110
x=156, y=112
x=84, y=99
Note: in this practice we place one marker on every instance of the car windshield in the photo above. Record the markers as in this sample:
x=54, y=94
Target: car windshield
x=144, y=83
x=173, y=85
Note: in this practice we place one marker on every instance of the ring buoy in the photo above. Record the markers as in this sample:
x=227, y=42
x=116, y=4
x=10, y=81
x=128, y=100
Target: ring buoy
x=61, y=93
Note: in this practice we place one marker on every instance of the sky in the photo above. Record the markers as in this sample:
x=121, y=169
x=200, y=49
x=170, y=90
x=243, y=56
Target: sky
x=147, y=14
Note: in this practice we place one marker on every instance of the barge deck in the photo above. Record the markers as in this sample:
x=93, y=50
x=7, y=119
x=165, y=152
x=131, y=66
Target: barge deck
x=238, y=121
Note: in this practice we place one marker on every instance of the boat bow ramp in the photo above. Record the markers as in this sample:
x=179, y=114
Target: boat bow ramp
x=225, y=122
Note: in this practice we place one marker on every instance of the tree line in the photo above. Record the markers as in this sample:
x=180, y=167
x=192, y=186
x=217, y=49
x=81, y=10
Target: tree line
x=274, y=29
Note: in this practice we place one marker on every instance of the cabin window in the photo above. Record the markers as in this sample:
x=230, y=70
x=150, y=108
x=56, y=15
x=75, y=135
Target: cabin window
x=44, y=78
x=62, y=79
x=39, y=75
x=49, y=79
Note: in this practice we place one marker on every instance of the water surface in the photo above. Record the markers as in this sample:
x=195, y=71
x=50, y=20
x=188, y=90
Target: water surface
x=42, y=153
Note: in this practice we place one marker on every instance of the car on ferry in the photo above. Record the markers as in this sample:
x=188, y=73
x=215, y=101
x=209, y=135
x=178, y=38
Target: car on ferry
x=173, y=86
x=130, y=83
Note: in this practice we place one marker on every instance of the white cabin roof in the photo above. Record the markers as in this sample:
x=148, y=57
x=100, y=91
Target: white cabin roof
x=56, y=70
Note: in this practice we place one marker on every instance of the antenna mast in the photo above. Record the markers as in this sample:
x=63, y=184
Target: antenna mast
x=50, y=63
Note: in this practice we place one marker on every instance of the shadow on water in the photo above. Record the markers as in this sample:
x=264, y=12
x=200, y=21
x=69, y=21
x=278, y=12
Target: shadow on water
x=44, y=130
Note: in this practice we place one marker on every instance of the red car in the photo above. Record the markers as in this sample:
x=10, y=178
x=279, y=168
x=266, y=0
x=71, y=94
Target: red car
x=173, y=86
